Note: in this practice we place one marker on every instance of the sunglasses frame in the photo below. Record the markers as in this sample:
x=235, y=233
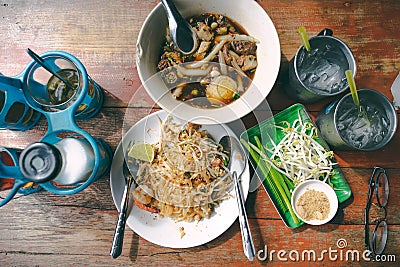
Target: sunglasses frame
x=373, y=187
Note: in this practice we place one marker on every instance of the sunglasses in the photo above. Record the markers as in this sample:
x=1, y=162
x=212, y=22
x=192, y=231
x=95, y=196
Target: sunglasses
x=376, y=230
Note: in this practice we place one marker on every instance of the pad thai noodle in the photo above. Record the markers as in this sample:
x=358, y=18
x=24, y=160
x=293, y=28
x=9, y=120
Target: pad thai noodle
x=188, y=176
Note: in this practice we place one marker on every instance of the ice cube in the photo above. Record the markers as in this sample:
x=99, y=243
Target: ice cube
x=378, y=138
x=313, y=78
x=332, y=69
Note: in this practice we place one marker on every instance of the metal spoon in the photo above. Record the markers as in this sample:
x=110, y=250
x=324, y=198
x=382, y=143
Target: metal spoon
x=180, y=30
x=39, y=60
x=237, y=165
x=118, y=239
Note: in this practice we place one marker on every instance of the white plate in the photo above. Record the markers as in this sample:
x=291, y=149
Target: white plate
x=317, y=185
x=165, y=231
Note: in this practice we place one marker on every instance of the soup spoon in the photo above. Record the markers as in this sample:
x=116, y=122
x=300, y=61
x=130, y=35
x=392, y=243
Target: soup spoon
x=180, y=30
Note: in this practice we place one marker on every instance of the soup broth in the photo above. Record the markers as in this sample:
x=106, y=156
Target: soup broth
x=220, y=69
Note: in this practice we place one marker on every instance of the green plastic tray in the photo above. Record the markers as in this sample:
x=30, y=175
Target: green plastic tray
x=266, y=128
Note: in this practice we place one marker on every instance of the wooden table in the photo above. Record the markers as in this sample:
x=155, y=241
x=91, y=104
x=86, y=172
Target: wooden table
x=49, y=230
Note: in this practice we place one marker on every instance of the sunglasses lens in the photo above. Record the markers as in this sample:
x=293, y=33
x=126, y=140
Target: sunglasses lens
x=382, y=189
x=379, y=237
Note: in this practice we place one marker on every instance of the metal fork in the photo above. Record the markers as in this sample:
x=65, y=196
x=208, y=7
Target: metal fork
x=118, y=239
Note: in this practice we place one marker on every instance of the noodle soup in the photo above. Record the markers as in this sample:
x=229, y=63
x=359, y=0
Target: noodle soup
x=220, y=69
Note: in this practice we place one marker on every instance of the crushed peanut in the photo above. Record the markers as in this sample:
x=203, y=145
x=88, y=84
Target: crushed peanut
x=313, y=205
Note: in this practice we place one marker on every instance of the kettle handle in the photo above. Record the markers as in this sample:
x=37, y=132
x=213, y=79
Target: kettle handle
x=326, y=32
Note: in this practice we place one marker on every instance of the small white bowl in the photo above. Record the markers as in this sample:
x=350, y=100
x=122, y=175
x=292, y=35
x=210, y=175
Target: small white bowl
x=317, y=185
x=247, y=13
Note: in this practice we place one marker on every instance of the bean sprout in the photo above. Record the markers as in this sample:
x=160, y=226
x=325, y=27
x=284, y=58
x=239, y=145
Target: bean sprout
x=298, y=155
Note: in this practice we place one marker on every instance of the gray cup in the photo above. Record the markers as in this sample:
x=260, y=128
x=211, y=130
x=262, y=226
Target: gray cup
x=320, y=73
x=337, y=128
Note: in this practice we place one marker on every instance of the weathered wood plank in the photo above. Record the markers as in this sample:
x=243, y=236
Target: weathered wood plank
x=48, y=230
x=87, y=247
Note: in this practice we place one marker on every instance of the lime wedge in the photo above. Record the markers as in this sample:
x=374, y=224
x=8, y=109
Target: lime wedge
x=142, y=151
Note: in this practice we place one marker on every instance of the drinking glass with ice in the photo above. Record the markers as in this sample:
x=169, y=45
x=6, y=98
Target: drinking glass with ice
x=320, y=71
